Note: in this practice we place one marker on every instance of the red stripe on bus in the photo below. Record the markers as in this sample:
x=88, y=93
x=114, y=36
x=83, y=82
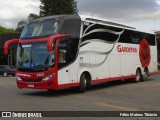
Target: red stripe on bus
x=112, y=79
x=68, y=85
x=96, y=81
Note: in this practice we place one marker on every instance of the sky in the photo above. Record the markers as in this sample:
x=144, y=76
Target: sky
x=142, y=14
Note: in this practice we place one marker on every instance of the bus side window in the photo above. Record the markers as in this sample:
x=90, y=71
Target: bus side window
x=135, y=37
x=69, y=45
x=62, y=56
x=71, y=27
x=63, y=52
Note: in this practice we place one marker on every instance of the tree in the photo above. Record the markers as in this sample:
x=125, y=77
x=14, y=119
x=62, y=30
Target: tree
x=56, y=7
x=5, y=30
x=21, y=25
x=33, y=16
x=23, y=22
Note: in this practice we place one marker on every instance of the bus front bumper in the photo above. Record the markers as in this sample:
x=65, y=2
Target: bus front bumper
x=49, y=84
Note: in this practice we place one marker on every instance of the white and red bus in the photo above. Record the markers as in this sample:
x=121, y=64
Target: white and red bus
x=76, y=50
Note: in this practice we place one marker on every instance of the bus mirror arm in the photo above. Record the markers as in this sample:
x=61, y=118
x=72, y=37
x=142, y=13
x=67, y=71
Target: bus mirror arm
x=53, y=38
x=7, y=44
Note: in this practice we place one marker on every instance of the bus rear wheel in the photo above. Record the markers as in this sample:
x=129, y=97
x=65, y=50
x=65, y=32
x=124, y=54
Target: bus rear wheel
x=138, y=76
x=145, y=76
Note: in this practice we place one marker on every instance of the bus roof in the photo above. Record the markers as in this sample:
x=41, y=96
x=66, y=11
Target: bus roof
x=58, y=16
x=109, y=22
x=95, y=20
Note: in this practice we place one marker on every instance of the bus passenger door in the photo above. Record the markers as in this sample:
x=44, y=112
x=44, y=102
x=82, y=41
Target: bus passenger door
x=71, y=26
x=73, y=71
x=63, y=72
x=68, y=61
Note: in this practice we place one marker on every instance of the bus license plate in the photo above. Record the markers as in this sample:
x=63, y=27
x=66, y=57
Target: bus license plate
x=31, y=86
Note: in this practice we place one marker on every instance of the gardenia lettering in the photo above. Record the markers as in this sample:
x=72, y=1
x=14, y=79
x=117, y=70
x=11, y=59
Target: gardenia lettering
x=126, y=49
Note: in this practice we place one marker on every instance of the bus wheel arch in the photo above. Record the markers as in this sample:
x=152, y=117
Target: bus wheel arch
x=85, y=81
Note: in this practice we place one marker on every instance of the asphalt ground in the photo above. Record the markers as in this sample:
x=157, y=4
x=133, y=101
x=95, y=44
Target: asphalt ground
x=112, y=96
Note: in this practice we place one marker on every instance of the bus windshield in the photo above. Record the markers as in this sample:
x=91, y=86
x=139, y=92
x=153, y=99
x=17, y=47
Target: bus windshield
x=34, y=57
x=37, y=29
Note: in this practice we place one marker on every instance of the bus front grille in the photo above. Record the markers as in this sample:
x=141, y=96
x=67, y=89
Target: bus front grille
x=31, y=80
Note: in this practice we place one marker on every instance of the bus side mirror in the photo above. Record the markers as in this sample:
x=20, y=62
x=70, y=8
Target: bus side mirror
x=7, y=44
x=49, y=44
x=53, y=38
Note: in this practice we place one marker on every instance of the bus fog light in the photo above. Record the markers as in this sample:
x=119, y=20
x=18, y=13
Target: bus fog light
x=48, y=77
x=50, y=84
x=18, y=78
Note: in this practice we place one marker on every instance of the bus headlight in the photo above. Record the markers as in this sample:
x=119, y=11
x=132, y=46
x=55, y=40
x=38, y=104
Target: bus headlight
x=48, y=77
x=18, y=78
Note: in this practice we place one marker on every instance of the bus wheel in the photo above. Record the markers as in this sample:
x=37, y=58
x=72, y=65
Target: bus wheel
x=83, y=82
x=138, y=76
x=145, y=76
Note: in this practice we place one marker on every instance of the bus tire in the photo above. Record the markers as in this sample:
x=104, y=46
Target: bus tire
x=138, y=76
x=83, y=82
x=88, y=81
x=145, y=76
